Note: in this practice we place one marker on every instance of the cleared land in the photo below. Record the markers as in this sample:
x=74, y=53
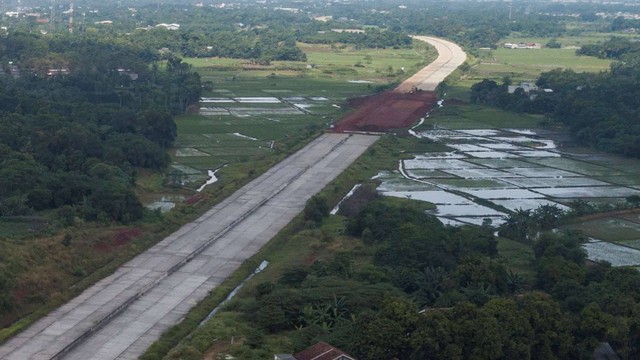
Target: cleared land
x=408, y=101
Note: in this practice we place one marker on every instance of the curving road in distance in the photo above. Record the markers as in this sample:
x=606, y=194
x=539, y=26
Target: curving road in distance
x=450, y=56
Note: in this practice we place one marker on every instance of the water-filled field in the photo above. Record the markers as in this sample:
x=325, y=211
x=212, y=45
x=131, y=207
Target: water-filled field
x=491, y=172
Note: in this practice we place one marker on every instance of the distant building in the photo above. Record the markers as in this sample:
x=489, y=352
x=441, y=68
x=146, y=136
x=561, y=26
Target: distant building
x=323, y=18
x=526, y=86
x=129, y=73
x=319, y=351
x=169, y=26
x=350, y=31
x=521, y=45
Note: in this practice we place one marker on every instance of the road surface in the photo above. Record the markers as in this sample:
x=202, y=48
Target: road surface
x=122, y=315
x=450, y=56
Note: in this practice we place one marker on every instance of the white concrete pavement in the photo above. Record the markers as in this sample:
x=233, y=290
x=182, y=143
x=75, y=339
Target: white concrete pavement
x=120, y=316
x=450, y=56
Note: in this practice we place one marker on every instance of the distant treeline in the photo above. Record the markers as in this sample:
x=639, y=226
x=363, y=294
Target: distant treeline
x=79, y=118
x=602, y=110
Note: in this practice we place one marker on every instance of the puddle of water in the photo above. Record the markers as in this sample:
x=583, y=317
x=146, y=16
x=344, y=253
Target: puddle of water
x=361, y=82
x=319, y=98
x=617, y=255
x=212, y=178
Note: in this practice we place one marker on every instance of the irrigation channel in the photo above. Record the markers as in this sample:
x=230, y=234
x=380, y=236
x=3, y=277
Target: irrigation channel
x=123, y=314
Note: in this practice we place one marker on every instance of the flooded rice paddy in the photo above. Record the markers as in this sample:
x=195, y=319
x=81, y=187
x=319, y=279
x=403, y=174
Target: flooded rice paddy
x=491, y=172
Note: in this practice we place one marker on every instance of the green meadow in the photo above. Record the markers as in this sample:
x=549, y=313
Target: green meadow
x=240, y=127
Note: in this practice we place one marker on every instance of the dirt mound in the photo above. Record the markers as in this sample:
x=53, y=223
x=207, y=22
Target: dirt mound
x=388, y=110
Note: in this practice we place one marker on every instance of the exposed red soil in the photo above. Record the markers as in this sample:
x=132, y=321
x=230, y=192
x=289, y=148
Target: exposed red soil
x=388, y=110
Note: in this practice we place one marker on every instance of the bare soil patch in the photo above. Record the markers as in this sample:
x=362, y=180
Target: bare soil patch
x=388, y=110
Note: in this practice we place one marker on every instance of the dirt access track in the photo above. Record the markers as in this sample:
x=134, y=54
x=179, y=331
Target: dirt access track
x=414, y=97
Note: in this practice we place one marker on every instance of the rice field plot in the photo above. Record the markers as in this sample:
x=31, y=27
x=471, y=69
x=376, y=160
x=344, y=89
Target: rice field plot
x=459, y=117
x=616, y=255
x=633, y=217
x=635, y=244
x=578, y=166
x=529, y=63
x=491, y=175
x=249, y=111
x=611, y=229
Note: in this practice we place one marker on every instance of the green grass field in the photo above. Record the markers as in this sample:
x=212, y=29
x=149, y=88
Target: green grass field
x=313, y=94
x=610, y=229
x=478, y=117
x=528, y=64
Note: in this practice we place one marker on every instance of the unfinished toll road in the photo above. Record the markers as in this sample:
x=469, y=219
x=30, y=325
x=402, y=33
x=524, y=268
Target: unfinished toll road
x=414, y=97
x=121, y=315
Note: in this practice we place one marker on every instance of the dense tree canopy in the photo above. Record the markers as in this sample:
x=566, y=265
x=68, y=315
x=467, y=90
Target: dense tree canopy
x=77, y=120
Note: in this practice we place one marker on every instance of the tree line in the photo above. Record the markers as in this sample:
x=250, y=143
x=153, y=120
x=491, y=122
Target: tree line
x=73, y=139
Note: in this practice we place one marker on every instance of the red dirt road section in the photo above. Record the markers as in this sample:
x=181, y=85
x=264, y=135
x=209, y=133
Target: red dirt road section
x=388, y=110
